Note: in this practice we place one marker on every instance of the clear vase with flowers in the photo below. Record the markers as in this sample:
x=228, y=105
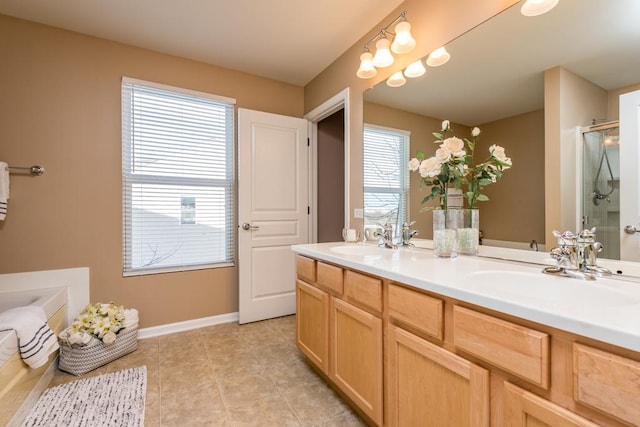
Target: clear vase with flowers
x=452, y=167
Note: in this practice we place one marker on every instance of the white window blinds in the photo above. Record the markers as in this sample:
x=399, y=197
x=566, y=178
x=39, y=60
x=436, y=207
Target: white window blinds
x=178, y=179
x=386, y=176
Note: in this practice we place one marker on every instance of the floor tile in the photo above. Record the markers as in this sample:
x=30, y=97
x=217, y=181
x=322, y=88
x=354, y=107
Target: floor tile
x=270, y=411
x=231, y=375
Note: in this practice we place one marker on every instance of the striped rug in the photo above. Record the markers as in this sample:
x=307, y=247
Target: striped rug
x=115, y=399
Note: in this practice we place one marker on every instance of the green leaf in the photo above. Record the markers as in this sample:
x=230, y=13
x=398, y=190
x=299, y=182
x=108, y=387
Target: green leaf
x=482, y=198
x=438, y=135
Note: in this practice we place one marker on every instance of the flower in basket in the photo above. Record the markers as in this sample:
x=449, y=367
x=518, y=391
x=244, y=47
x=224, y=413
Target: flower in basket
x=452, y=167
x=102, y=321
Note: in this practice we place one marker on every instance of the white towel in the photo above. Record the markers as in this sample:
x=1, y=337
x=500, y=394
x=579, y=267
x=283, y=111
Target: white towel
x=36, y=340
x=4, y=189
x=130, y=318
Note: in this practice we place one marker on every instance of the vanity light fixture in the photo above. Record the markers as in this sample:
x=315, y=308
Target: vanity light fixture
x=537, y=7
x=415, y=69
x=383, y=57
x=396, y=80
x=438, y=57
x=403, y=42
x=366, y=70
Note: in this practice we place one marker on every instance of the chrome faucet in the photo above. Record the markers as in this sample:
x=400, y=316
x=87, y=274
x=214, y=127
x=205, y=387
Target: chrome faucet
x=576, y=255
x=386, y=236
x=588, y=250
x=408, y=233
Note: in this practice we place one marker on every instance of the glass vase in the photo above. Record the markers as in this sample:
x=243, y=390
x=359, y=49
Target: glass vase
x=469, y=232
x=445, y=226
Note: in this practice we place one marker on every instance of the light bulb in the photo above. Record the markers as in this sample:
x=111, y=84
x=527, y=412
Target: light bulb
x=383, y=57
x=438, y=57
x=396, y=80
x=415, y=69
x=403, y=42
x=366, y=70
x=537, y=7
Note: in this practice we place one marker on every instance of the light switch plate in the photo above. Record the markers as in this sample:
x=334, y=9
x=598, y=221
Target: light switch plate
x=358, y=213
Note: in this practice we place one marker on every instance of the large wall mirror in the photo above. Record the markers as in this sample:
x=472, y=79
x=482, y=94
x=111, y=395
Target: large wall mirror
x=495, y=80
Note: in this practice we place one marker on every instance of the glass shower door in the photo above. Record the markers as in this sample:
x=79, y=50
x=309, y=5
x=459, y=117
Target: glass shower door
x=601, y=185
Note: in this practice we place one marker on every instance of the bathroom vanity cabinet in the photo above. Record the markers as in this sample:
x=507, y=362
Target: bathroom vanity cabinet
x=406, y=356
x=339, y=329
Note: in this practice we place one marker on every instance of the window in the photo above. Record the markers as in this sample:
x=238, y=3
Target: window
x=386, y=176
x=178, y=179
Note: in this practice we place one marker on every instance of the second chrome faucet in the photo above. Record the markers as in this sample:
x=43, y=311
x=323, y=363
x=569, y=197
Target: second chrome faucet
x=576, y=255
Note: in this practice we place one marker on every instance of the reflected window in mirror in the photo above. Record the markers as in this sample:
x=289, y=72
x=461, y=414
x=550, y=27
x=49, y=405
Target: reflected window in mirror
x=386, y=176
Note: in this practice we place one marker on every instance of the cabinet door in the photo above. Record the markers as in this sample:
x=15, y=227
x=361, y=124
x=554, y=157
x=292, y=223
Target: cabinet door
x=525, y=409
x=356, y=356
x=430, y=386
x=312, y=324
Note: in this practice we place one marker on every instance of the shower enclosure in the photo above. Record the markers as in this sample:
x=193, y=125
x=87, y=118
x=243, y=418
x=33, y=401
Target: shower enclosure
x=601, y=185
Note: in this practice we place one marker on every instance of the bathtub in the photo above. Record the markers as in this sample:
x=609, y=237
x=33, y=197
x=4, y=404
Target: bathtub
x=62, y=294
x=50, y=299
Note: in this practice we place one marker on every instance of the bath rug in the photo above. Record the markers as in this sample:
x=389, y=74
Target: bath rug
x=114, y=399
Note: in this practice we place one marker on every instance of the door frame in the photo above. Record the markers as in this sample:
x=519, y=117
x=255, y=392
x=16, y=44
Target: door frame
x=324, y=110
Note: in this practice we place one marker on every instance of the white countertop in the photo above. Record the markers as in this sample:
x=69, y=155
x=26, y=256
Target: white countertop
x=607, y=309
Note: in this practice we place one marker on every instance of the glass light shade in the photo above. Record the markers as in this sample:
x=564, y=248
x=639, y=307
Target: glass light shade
x=383, y=57
x=438, y=57
x=403, y=42
x=396, y=80
x=415, y=69
x=537, y=7
x=366, y=70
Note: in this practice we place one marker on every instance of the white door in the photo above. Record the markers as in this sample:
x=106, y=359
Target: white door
x=630, y=175
x=273, y=211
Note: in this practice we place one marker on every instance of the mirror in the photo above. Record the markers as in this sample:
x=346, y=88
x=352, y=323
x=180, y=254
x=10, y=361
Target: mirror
x=495, y=80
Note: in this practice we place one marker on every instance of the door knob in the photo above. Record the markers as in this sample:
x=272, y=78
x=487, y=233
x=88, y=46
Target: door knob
x=246, y=226
x=630, y=229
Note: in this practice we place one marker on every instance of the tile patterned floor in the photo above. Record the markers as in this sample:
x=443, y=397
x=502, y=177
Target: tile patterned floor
x=231, y=375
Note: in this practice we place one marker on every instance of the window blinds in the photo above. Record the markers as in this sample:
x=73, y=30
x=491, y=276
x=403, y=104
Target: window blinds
x=178, y=178
x=386, y=176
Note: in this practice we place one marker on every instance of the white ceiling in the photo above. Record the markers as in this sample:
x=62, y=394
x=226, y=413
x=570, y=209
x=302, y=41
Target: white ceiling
x=286, y=40
x=496, y=70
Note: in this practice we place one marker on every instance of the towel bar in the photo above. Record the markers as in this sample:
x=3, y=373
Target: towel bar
x=33, y=170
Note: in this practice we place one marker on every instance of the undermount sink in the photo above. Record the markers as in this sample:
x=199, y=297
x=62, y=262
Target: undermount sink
x=552, y=291
x=358, y=249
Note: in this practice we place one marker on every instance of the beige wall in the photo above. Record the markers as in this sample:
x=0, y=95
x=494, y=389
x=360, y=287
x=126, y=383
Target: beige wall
x=570, y=101
x=515, y=211
x=60, y=108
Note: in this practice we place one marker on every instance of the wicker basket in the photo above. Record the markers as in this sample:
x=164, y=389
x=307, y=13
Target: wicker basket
x=80, y=359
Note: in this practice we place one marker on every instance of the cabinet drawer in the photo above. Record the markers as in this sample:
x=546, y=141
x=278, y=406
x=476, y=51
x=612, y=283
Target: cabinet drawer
x=607, y=382
x=306, y=269
x=416, y=309
x=524, y=409
x=330, y=277
x=363, y=290
x=521, y=351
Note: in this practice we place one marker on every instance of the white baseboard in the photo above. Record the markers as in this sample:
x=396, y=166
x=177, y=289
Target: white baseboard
x=187, y=325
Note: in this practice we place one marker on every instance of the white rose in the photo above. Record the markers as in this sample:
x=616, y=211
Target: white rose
x=454, y=145
x=445, y=125
x=443, y=155
x=475, y=132
x=414, y=164
x=109, y=338
x=499, y=153
x=430, y=167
